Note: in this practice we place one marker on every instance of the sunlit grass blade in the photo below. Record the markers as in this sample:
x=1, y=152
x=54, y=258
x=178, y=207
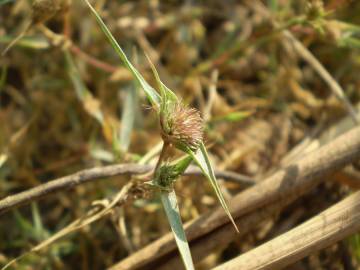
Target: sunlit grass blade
x=169, y=202
x=31, y=42
x=232, y=117
x=128, y=117
x=91, y=105
x=166, y=93
x=182, y=164
x=14, y=140
x=151, y=93
x=3, y=159
x=40, y=232
x=202, y=160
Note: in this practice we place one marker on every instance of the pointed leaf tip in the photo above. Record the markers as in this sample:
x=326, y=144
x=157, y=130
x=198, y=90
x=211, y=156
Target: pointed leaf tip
x=150, y=92
x=201, y=158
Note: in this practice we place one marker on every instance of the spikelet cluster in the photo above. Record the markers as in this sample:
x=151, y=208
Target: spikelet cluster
x=43, y=10
x=182, y=126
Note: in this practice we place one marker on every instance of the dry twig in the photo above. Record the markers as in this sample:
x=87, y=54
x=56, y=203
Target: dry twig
x=97, y=173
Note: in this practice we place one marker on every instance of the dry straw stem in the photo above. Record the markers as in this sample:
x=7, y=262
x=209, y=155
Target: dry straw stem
x=97, y=173
x=331, y=226
x=288, y=183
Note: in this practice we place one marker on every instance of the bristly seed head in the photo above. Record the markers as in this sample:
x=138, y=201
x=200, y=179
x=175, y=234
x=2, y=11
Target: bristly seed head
x=182, y=126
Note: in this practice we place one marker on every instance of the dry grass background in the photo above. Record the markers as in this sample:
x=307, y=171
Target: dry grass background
x=227, y=58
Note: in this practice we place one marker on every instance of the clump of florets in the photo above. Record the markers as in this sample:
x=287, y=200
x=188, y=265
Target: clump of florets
x=43, y=10
x=182, y=126
x=166, y=175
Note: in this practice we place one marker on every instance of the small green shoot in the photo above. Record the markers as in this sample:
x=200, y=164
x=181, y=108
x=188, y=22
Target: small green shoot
x=163, y=103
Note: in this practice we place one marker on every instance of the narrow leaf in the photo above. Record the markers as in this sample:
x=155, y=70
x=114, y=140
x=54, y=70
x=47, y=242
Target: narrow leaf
x=39, y=231
x=171, y=208
x=232, y=117
x=166, y=93
x=3, y=159
x=151, y=93
x=181, y=164
x=128, y=117
x=91, y=104
x=31, y=42
x=202, y=160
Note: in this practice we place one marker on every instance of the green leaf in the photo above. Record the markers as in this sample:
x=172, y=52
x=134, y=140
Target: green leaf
x=349, y=42
x=40, y=233
x=181, y=164
x=3, y=158
x=355, y=245
x=166, y=93
x=232, y=117
x=24, y=225
x=128, y=117
x=82, y=92
x=168, y=97
x=151, y=93
x=171, y=208
x=32, y=42
x=202, y=160
x=80, y=88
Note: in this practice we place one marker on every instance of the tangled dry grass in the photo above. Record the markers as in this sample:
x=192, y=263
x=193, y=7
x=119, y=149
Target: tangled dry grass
x=273, y=80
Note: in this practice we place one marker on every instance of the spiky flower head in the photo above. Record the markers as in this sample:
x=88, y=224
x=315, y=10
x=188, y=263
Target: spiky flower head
x=181, y=126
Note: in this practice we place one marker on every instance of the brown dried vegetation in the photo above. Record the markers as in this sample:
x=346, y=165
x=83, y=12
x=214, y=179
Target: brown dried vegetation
x=264, y=103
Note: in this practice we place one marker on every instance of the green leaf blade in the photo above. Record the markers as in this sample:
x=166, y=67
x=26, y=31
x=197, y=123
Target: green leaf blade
x=171, y=208
x=201, y=158
x=150, y=92
x=128, y=117
x=81, y=90
x=168, y=97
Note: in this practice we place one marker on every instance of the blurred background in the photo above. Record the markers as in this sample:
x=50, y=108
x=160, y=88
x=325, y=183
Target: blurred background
x=67, y=103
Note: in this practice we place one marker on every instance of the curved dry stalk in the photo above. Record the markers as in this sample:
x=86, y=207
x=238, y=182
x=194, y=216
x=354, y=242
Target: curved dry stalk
x=93, y=174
